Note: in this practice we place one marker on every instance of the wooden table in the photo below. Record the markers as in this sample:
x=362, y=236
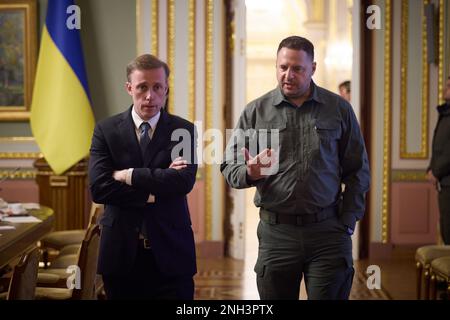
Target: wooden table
x=14, y=242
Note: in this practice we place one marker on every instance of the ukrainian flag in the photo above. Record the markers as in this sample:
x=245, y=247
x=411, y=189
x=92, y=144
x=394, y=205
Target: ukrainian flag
x=61, y=119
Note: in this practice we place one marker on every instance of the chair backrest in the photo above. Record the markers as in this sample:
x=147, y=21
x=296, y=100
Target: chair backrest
x=87, y=263
x=23, y=281
x=95, y=214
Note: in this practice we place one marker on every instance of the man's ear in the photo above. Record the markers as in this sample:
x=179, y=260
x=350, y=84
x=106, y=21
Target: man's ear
x=128, y=87
x=314, y=64
x=166, y=103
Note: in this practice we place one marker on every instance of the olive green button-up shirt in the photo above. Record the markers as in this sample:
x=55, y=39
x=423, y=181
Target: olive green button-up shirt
x=319, y=146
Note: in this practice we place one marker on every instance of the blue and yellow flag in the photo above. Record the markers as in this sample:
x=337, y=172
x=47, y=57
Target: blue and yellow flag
x=61, y=119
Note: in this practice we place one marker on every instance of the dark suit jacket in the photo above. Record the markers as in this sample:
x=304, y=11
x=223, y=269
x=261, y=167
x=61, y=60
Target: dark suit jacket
x=115, y=147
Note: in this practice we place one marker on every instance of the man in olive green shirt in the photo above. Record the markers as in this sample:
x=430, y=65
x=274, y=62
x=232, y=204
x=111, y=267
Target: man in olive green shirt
x=304, y=143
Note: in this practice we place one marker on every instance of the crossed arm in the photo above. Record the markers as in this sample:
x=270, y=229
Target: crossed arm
x=108, y=186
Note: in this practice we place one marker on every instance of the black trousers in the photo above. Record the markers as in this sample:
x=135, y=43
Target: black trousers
x=146, y=281
x=320, y=252
x=444, y=212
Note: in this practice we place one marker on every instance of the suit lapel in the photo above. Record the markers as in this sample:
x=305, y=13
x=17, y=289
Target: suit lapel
x=159, y=139
x=127, y=131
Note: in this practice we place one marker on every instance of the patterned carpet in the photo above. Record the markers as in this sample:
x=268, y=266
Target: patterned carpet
x=222, y=284
x=361, y=292
x=218, y=285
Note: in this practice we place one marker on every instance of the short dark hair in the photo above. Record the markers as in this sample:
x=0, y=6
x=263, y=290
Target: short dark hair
x=297, y=43
x=147, y=62
x=346, y=85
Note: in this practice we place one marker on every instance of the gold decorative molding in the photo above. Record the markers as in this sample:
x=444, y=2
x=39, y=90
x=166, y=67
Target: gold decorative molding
x=441, y=50
x=17, y=139
x=387, y=132
x=171, y=51
x=155, y=27
x=423, y=153
x=17, y=175
x=208, y=112
x=138, y=28
x=408, y=176
x=70, y=173
x=200, y=174
x=13, y=116
x=191, y=61
x=20, y=155
x=29, y=44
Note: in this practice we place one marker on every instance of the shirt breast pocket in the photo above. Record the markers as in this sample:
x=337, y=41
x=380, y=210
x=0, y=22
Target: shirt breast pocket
x=329, y=134
x=276, y=136
x=328, y=130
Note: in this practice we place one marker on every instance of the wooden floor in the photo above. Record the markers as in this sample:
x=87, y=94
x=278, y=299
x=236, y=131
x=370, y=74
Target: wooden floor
x=398, y=274
x=230, y=279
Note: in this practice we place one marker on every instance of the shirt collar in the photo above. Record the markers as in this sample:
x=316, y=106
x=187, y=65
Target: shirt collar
x=315, y=93
x=138, y=121
x=278, y=98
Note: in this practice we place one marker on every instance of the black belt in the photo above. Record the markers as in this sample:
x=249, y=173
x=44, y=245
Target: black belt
x=299, y=220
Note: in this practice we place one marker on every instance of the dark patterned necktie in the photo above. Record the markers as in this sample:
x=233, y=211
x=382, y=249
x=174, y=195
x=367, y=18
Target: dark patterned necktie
x=144, y=140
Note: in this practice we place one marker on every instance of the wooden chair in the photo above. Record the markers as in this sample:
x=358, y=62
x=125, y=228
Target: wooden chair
x=440, y=273
x=87, y=263
x=72, y=239
x=23, y=280
x=424, y=257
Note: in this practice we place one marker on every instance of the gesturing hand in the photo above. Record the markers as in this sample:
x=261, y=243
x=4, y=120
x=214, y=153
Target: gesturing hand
x=260, y=166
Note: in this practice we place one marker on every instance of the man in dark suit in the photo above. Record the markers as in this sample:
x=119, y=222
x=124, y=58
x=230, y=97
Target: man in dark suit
x=147, y=246
x=438, y=172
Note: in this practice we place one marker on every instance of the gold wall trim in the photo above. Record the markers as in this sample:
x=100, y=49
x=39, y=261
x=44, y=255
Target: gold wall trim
x=12, y=116
x=441, y=50
x=408, y=176
x=200, y=174
x=171, y=51
x=387, y=132
x=17, y=139
x=208, y=112
x=19, y=175
x=30, y=51
x=20, y=155
x=71, y=173
x=138, y=28
x=155, y=27
x=191, y=61
x=423, y=153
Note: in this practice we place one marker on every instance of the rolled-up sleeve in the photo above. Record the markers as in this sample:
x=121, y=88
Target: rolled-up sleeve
x=233, y=166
